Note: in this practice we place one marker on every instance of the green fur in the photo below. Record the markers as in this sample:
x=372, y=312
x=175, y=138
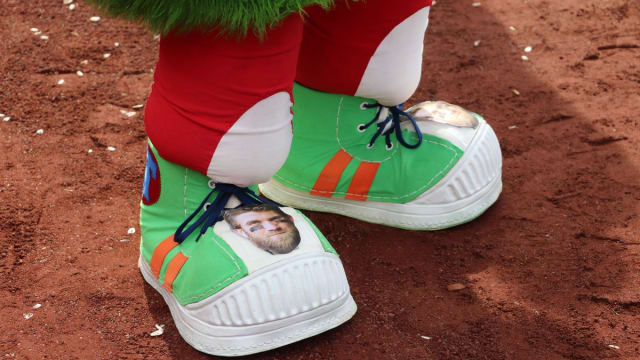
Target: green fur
x=227, y=16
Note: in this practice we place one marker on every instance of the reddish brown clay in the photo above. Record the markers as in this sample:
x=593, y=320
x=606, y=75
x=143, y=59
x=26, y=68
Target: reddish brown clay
x=551, y=270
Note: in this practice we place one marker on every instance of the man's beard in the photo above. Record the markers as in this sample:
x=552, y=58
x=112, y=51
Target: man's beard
x=281, y=243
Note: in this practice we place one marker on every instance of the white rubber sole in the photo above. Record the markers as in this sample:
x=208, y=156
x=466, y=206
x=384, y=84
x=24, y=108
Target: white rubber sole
x=468, y=190
x=416, y=217
x=283, y=303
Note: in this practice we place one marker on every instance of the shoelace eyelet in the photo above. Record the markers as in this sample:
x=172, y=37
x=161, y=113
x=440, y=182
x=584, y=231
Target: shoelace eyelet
x=361, y=128
x=369, y=146
x=390, y=124
x=206, y=206
x=211, y=184
x=363, y=105
x=388, y=147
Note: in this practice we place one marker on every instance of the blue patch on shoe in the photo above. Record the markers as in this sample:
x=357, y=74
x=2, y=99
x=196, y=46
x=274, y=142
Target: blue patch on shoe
x=151, y=184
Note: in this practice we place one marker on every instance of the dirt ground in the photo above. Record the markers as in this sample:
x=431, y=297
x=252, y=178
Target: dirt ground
x=551, y=271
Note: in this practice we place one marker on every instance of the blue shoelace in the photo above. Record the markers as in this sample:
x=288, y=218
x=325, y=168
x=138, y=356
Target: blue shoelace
x=213, y=212
x=395, y=112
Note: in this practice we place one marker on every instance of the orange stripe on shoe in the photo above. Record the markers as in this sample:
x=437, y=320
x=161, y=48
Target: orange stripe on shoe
x=160, y=253
x=330, y=176
x=173, y=269
x=362, y=180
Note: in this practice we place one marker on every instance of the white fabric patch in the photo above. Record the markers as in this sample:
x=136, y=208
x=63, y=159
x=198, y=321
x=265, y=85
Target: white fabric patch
x=393, y=72
x=256, y=146
x=460, y=137
x=256, y=258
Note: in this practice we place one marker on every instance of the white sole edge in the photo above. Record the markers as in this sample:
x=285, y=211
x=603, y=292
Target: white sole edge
x=395, y=217
x=238, y=340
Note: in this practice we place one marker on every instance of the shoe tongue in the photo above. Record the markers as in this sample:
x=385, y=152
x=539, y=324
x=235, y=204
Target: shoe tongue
x=233, y=203
x=384, y=113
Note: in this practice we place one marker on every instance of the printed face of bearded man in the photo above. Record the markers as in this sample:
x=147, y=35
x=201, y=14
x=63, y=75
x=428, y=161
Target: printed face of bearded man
x=268, y=227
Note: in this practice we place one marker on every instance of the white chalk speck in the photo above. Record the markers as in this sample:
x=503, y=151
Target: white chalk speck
x=111, y=148
x=128, y=113
x=512, y=28
x=131, y=231
x=6, y=118
x=90, y=151
x=67, y=2
x=116, y=44
x=84, y=62
x=40, y=131
x=524, y=57
x=106, y=55
x=37, y=306
x=44, y=37
x=614, y=347
x=476, y=4
x=35, y=30
x=139, y=106
x=476, y=43
x=28, y=315
x=61, y=81
x=426, y=337
x=72, y=7
x=79, y=73
x=511, y=127
x=528, y=49
x=159, y=331
x=94, y=18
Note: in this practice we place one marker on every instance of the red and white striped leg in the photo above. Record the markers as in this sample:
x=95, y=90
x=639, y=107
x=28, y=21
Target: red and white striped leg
x=371, y=49
x=221, y=105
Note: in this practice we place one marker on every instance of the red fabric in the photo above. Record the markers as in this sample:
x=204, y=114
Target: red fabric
x=338, y=44
x=204, y=82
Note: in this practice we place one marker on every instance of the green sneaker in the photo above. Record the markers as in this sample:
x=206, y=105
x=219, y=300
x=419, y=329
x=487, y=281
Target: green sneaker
x=237, y=281
x=430, y=167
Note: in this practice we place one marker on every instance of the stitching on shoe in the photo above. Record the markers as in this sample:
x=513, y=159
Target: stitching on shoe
x=222, y=282
x=372, y=197
x=467, y=215
x=343, y=148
